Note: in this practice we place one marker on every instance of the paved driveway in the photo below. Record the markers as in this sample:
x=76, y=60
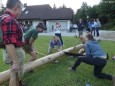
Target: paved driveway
x=104, y=34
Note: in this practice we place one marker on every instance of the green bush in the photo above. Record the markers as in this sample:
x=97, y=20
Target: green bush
x=109, y=26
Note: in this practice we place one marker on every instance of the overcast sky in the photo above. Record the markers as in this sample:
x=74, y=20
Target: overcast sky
x=74, y=4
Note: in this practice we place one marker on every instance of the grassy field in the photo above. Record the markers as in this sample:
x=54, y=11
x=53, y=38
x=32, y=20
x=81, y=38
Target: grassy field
x=57, y=74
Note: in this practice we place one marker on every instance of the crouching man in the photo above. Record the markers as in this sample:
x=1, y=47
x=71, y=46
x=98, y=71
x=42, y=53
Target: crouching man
x=55, y=45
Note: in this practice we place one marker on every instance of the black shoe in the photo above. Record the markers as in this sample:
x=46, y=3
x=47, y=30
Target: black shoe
x=22, y=83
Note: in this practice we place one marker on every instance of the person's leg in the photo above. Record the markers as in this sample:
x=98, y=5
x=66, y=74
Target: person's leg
x=97, y=31
x=91, y=31
x=60, y=37
x=13, y=76
x=80, y=33
x=17, y=77
x=76, y=33
x=82, y=59
x=21, y=57
x=98, y=69
x=94, y=31
x=14, y=79
x=88, y=60
x=98, y=73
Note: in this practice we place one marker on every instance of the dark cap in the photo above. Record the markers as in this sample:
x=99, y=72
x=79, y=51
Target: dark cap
x=40, y=25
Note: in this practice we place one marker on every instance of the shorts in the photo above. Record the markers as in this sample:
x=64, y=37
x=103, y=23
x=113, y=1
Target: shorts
x=27, y=48
x=7, y=59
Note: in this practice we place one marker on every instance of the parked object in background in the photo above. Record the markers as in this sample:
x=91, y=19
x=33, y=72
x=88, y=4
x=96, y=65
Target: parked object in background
x=73, y=27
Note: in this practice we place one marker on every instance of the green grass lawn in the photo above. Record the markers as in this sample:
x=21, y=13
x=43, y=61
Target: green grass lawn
x=57, y=74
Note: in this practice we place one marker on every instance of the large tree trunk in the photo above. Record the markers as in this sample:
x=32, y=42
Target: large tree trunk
x=5, y=75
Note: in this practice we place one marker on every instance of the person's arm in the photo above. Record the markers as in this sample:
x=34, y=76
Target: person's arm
x=12, y=53
x=88, y=51
x=60, y=48
x=31, y=42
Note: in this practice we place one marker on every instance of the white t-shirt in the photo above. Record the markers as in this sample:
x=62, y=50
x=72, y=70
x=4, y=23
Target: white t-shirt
x=57, y=30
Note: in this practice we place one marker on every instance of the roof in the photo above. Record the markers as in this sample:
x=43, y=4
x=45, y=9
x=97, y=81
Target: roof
x=45, y=12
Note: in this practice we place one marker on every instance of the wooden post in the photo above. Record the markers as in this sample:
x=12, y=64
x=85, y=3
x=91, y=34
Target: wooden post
x=5, y=75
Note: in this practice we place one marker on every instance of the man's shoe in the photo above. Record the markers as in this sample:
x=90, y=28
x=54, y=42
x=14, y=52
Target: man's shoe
x=22, y=83
x=55, y=61
x=70, y=69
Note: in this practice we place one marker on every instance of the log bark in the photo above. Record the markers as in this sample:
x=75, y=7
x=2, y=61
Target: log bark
x=5, y=75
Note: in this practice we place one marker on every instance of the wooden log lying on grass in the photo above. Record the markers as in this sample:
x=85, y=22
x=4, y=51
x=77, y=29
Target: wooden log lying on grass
x=5, y=75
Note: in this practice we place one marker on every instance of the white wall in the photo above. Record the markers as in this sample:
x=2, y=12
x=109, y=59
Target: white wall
x=65, y=24
x=35, y=22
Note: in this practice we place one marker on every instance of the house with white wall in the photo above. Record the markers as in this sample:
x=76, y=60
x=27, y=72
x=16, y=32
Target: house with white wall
x=32, y=15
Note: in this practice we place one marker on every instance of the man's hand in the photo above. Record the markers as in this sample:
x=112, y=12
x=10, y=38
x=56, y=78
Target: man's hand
x=15, y=67
x=83, y=40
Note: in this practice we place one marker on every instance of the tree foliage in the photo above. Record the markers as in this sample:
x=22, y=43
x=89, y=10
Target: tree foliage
x=105, y=10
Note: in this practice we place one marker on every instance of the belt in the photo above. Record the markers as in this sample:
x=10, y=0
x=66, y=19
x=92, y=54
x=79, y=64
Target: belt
x=102, y=57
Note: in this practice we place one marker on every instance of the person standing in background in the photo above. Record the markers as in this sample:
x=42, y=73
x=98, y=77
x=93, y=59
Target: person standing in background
x=94, y=26
x=80, y=27
x=98, y=27
x=89, y=26
x=58, y=32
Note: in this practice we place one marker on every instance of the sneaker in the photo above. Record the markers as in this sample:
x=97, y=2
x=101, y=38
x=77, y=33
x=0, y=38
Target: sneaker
x=22, y=83
x=70, y=69
x=55, y=61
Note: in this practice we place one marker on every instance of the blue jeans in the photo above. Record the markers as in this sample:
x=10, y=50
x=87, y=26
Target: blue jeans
x=97, y=30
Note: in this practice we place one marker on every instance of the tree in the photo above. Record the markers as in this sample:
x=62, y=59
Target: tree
x=106, y=11
x=81, y=13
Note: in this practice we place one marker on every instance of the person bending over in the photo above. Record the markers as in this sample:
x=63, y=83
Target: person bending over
x=30, y=37
x=94, y=56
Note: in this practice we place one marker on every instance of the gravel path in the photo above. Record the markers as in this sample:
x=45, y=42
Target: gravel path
x=108, y=35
